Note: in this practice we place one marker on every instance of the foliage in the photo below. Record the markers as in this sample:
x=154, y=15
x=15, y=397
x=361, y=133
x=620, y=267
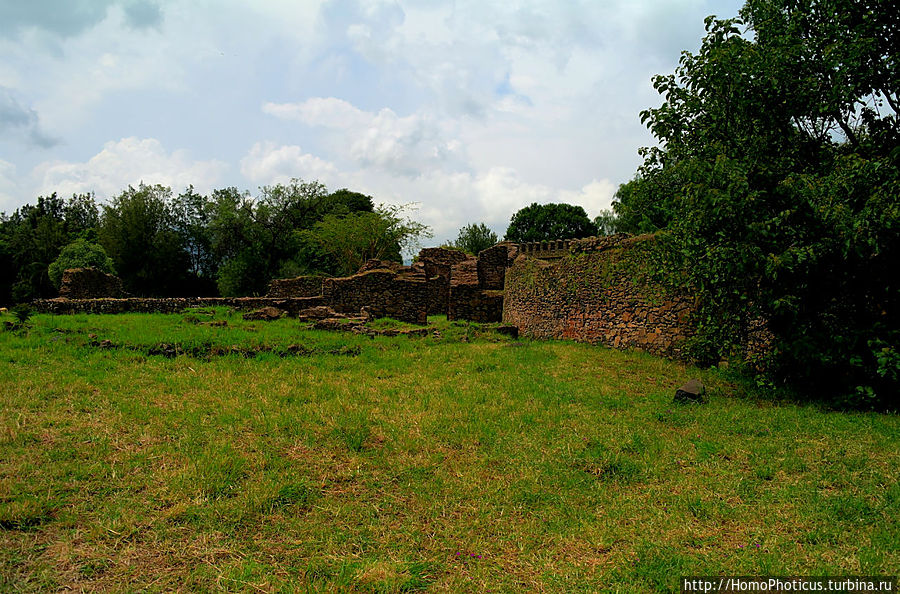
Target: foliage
x=607, y=223
x=354, y=238
x=475, y=237
x=80, y=254
x=184, y=245
x=777, y=173
x=546, y=222
x=138, y=232
x=31, y=239
x=22, y=312
x=255, y=241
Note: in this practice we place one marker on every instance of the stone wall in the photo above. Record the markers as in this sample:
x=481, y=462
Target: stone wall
x=89, y=283
x=600, y=292
x=301, y=286
x=376, y=264
x=438, y=264
x=492, y=264
x=468, y=301
x=292, y=306
x=383, y=292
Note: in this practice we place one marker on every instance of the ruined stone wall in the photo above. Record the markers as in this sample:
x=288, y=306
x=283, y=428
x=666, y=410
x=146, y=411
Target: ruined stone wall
x=492, y=264
x=438, y=264
x=383, y=292
x=301, y=286
x=89, y=283
x=376, y=264
x=467, y=300
x=603, y=291
x=170, y=304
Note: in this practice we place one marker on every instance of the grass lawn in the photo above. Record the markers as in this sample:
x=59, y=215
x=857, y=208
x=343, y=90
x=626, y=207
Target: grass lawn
x=189, y=454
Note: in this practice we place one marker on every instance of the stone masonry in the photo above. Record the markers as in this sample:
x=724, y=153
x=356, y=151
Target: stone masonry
x=89, y=283
x=301, y=286
x=384, y=293
x=438, y=264
x=592, y=295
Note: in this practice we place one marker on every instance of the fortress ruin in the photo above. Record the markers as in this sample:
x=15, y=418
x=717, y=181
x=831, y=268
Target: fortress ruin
x=595, y=290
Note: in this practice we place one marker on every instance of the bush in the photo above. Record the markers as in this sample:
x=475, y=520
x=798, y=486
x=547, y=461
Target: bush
x=80, y=254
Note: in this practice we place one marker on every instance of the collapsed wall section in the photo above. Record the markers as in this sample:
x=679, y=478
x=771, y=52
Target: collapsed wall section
x=89, y=283
x=438, y=265
x=605, y=291
x=383, y=293
x=492, y=265
x=468, y=300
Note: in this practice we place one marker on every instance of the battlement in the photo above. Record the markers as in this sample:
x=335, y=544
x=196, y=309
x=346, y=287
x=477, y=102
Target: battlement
x=546, y=250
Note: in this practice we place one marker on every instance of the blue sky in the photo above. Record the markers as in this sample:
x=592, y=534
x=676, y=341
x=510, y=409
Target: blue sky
x=470, y=109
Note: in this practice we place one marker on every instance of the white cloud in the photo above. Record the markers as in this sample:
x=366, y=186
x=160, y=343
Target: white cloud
x=268, y=163
x=448, y=200
x=405, y=146
x=328, y=112
x=128, y=162
x=8, y=187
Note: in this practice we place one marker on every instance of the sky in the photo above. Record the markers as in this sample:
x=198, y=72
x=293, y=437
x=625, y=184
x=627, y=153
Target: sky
x=470, y=110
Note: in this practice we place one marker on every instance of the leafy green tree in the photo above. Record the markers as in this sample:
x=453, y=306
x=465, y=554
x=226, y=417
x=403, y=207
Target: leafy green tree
x=32, y=237
x=253, y=241
x=190, y=220
x=354, y=238
x=80, y=254
x=777, y=175
x=137, y=231
x=607, y=223
x=546, y=222
x=236, y=243
x=475, y=237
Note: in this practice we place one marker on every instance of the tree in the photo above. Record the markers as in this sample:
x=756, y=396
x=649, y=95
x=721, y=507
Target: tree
x=546, y=222
x=32, y=238
x=777, y=174
x=80, y=254
x=137, y=231
x=354, y=238
x=473, y=238
x=190, y=221
x=606, y=223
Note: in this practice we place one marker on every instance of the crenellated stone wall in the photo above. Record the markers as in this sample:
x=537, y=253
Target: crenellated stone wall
x=601, y=291
x=383, y=293
x=301, y=286
x=89, y=283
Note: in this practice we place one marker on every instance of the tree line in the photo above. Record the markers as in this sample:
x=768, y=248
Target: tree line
x=227, y=242
x=189, y=244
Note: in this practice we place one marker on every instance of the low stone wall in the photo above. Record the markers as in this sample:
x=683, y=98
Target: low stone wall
x=89, y=283
x=599, y=293
x=292, y=306
x=301, y=286
x=383, y=292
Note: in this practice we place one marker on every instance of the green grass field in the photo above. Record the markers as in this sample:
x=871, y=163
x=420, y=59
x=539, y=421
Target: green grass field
x=265, y=456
